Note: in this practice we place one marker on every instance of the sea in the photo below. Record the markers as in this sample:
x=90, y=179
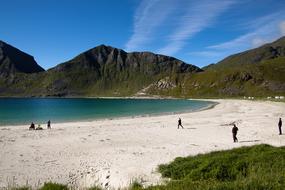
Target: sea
x=23, y=111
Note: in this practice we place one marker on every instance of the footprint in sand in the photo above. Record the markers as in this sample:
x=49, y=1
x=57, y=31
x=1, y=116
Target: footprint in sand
x=83, y=139
x=108, y=179
x=137, y=153
x=5, y=129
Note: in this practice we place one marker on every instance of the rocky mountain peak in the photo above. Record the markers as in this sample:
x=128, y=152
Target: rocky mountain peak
x=14, y=60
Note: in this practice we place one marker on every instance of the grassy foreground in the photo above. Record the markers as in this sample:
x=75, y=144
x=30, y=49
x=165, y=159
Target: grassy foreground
x=257, y=167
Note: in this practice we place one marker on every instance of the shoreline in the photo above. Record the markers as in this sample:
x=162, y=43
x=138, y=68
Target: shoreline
x=82, y=154
x=211, y=105
x=91, y=97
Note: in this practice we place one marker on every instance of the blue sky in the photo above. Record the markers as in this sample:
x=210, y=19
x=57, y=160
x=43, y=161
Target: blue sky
x=197, y=32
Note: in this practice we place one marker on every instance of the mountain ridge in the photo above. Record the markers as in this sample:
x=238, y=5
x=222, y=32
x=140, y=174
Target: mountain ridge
x=13, y=60
x=105, y=70
x=108, y=71
x=256, y=55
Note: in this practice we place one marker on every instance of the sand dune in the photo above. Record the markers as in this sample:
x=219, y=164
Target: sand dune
x=112, y=153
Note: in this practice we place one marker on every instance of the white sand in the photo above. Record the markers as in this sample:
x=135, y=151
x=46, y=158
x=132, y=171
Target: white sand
x=115, y=152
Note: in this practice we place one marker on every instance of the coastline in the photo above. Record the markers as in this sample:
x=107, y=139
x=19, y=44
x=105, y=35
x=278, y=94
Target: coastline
x=82, y=154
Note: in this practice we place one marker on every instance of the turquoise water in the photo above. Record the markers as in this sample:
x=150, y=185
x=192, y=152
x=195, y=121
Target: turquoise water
x=26, y=110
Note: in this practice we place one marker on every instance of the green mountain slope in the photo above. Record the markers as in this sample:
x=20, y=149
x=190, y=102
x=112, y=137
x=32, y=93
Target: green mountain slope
x=254, y=56
x=108, y=71
x=257, y=72
x=101, y=71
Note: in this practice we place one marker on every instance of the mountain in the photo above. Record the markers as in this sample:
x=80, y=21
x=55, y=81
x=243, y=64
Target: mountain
x=256, y=72
x=104, y=71
x=12, y=61
x=266, y=52
x=109, y=71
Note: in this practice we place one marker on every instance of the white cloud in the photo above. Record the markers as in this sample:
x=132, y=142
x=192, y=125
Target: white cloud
x=268, y=29
x=149, y=15
x=205, y=53
x=258, y=42
x=198, y=16
x=282, y=27
x=234, y=43
x=261, y=21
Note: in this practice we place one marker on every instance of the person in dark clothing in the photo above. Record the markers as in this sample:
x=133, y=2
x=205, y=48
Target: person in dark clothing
x=234, y=131
x=48, y=124
x=180, y=123
x=280, y=126
x=32, y=127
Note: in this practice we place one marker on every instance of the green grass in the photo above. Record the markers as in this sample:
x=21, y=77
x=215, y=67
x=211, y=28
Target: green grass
x=257, y=167
x=53, y=186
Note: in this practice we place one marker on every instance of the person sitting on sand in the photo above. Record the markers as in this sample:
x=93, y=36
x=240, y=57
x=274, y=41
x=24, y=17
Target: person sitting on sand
x=32, y=127
x=234, y=131
x=39, y=127
x=48, y=124
x=180, y=123
x=280, y=126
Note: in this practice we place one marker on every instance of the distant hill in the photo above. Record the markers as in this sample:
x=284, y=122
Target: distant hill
x=109, y=71
x=261, y=54
x=12, y=61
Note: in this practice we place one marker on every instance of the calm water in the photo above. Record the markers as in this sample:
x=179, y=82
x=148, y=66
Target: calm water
x=25, y=110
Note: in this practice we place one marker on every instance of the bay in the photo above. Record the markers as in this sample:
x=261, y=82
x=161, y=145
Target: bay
x=14, y=111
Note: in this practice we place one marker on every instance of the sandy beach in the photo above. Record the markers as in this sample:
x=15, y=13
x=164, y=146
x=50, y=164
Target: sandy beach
x=114, y=152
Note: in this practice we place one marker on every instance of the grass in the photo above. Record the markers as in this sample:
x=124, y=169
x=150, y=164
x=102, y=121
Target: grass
x=260, y=167
x=53, y=186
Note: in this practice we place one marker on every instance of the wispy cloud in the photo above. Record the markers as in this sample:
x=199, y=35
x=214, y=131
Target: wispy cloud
x=200, y=15
x=262, y=30
x=260, y=21
x=282, y=28
x=205, y=53
x=149, y=15
x=173, y=24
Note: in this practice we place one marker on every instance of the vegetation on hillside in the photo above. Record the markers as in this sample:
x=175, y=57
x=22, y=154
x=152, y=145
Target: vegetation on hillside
x=259, y=72
x=108, y=71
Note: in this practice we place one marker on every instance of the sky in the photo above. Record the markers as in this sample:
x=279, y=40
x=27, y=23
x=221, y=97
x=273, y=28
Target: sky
x=197, y=32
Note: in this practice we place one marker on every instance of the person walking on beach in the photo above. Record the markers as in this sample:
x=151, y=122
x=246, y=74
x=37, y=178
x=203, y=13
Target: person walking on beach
x=48, y=124
x=234, y=131
x=180, y=123
x=280, y=126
